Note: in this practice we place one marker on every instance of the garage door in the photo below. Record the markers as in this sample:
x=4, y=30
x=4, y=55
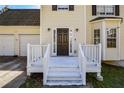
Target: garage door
x=6, y=45
x=25, y=39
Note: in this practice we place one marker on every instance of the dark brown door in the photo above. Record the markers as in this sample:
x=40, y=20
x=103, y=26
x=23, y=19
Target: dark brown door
x=62, y=41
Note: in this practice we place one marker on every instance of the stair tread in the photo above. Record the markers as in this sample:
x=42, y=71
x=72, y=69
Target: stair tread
x=66, y=78
x=65, y=63
x=64, y=74
x=64, y=82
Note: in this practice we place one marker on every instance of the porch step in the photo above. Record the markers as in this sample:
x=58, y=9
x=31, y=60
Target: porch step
x=61, y=74
x=64, y=78
x=64, y=69
x=64, y=82
x=64, y=65
x=61, y=78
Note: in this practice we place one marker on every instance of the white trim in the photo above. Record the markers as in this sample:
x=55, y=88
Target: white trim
x=41, y=23
x=85, y=23
x=119, y=41
x=103, y=36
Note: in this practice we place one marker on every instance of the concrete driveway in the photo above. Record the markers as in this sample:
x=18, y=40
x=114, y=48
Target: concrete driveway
x=12, y=71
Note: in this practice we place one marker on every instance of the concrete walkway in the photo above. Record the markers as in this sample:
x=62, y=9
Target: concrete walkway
x=116, y=63
x=12, y=73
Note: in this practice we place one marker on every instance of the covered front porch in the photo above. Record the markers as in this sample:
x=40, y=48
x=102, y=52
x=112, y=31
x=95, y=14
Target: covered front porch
x=64, y=70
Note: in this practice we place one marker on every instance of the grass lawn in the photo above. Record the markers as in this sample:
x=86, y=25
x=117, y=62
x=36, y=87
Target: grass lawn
x=35, y=81
x=113, y=78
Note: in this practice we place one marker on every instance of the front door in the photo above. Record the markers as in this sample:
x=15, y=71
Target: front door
x=62, y=41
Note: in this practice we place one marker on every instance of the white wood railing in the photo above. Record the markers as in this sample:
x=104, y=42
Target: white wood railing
x=37, y=58
x=46, y=60
x=90, y=60
x=92, y=53
x=82, y=64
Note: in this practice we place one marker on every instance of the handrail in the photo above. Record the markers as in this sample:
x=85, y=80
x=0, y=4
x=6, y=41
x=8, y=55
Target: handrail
x=46, y=59
x=100, y=57
x=47, y=50
x=38, y=54
x=82, y=64
x=28, y=56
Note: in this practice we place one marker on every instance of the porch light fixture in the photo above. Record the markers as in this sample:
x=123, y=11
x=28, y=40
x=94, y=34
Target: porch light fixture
x=48, y=29
x=76, y=29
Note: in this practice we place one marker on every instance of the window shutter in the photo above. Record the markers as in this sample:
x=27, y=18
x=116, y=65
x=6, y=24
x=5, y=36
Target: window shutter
x=71, y=7
x=117, y=10
x=93, y=10
x=54, y=7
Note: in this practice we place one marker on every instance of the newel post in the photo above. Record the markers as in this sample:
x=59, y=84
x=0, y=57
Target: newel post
x=100, y=49
x=99, y=76
x=28, y=59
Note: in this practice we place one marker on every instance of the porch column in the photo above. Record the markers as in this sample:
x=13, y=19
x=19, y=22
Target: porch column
x=119, y=40
x=103, y=39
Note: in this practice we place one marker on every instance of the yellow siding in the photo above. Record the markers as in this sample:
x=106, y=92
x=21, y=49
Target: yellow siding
x=19, y=29
x=62, y=19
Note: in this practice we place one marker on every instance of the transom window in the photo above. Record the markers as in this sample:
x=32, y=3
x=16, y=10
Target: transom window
x=96, y=36
x=62, y=7
x=111, y=38
x=105, y=10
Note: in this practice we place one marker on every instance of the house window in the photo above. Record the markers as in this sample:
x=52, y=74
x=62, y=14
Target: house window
x=111, y=38
x=96, y=36
x=105, y=10
x=63, y=7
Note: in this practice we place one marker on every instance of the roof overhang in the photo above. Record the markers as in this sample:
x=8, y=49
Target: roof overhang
x=100, y=19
